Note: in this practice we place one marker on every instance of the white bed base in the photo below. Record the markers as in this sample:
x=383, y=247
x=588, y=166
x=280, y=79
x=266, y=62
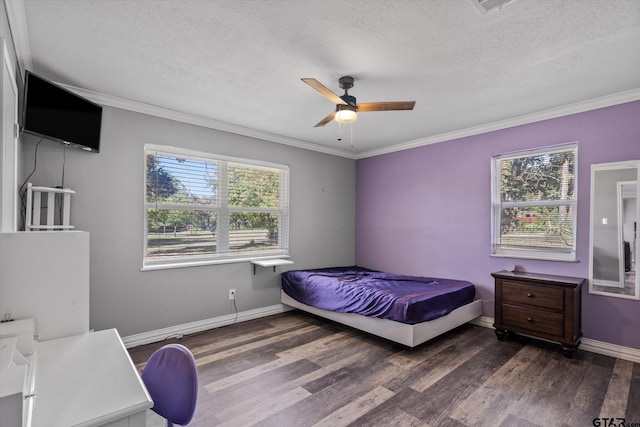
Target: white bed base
x=409, y=335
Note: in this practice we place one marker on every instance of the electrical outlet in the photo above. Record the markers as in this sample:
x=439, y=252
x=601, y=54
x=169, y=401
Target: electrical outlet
x=232, y=294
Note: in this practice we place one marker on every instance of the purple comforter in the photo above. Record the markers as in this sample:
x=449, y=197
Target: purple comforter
x=406, y=299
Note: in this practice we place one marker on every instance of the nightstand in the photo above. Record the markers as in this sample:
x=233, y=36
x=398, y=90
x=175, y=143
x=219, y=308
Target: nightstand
x=539, y=305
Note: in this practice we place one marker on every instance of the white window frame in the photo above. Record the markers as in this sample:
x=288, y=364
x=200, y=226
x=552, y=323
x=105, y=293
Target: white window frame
x=223, y=210
x=497, y=250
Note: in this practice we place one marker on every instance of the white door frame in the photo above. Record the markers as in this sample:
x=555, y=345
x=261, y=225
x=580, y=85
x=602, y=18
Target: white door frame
x=8, y=145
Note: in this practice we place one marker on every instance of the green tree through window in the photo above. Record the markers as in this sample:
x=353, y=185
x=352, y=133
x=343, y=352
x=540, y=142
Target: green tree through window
x=201, y=208
x=534, y=203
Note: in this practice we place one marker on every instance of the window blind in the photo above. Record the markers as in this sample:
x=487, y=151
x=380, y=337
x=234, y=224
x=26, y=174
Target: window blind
x=534, y=203
x=202, y=207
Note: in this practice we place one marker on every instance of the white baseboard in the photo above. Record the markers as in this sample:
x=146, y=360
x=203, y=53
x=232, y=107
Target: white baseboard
x=201, y=325
x=613, y=350
x=586, y=344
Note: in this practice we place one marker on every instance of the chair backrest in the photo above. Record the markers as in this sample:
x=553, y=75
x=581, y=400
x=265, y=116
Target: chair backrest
x=171, y=378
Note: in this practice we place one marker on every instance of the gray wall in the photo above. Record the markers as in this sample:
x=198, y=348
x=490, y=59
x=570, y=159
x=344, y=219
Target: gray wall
x=109, y=204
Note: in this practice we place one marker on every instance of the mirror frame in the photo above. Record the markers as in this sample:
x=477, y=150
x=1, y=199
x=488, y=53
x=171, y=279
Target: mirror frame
x=631, y=164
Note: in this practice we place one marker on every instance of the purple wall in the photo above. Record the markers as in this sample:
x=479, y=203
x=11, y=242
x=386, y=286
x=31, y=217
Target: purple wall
x=426, y=211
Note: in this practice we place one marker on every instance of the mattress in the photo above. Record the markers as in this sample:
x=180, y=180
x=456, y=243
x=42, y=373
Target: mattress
x=405, y=299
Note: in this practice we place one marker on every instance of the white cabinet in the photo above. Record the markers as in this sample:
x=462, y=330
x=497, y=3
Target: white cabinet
x=45, y=275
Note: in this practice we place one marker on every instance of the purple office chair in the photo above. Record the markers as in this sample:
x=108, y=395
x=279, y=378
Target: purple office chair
x=171, y=378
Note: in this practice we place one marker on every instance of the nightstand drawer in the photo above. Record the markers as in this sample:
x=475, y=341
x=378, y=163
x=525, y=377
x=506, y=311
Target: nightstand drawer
x=539, y=296
x=534, y=320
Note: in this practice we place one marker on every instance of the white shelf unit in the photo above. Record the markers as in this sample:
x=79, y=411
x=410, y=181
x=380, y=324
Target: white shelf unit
x=34, y=206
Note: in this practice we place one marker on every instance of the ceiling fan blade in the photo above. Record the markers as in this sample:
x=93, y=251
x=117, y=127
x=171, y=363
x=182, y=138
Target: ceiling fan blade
x=385, y=106
x=324, y=91
x=326, y=120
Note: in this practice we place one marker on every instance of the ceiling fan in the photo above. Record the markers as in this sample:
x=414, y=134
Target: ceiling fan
x=346, y=106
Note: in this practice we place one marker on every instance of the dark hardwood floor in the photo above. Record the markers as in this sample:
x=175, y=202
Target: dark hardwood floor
x=294, y=369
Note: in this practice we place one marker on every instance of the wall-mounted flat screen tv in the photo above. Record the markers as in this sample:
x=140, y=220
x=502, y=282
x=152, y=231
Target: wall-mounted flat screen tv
x=53, y=112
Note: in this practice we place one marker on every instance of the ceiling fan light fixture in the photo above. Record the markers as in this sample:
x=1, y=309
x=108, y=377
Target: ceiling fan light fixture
x=347, y=105
x=345, y=114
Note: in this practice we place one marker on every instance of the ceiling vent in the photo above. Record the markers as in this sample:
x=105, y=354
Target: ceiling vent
x=488, y=6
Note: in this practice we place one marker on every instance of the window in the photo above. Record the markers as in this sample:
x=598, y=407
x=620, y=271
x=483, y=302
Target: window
x=534, y=203
x=203, y=209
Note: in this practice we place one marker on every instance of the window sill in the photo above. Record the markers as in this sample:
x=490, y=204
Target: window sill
x=538, y=257
x=168, y=266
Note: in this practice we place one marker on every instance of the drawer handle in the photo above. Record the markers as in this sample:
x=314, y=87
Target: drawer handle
x=530, y=295
x=529, y=319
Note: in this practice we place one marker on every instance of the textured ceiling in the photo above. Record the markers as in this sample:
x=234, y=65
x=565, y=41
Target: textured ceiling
x=240, y=62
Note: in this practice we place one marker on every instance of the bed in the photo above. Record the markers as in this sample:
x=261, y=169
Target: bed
x=406, y=309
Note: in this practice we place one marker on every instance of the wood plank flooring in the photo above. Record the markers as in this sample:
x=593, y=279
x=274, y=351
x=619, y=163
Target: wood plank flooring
x=294, y=369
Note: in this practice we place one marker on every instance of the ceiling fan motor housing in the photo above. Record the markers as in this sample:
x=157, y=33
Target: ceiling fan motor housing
x=350, y=100
x=346, y=82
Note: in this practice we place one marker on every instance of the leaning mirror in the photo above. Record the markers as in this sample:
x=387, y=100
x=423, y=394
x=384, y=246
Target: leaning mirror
x=614, y=246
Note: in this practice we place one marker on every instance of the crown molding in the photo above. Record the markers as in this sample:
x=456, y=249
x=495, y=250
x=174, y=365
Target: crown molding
x=17, y=17
x=166, y=113
x=153, y=110
x=565, y=110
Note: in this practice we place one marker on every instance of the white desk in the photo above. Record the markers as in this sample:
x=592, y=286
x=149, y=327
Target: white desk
x=88, y=380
